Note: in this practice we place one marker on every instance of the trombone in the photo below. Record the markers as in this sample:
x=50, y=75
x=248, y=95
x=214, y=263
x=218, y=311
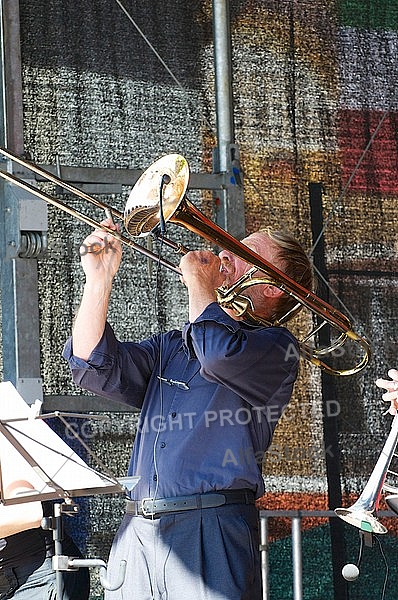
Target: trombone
x=159, y=196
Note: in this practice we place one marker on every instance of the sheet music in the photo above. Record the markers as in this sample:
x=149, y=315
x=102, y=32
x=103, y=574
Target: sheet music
x=43, y=458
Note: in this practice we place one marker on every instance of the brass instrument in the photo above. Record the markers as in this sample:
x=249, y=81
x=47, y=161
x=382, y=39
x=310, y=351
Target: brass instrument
x=159, y=196
x=362, y=513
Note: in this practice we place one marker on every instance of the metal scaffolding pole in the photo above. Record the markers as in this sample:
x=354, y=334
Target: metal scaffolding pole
x=297, y=559
x=226, y=160
x=22, y=224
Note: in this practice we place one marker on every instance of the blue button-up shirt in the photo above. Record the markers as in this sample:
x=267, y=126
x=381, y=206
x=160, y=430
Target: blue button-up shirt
x=210, y=397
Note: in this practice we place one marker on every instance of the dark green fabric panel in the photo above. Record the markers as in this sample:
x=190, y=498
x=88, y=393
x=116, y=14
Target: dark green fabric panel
x=373, y=14
x=317, y=566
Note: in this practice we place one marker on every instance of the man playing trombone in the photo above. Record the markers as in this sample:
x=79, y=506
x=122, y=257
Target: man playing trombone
x=210, y=397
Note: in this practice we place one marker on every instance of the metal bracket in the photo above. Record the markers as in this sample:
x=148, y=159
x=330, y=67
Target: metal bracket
x=26, y=224
x=30, y=388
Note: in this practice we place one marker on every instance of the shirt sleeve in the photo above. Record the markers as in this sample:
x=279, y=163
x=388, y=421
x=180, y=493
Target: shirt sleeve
x=115, y=370
x=259, y=364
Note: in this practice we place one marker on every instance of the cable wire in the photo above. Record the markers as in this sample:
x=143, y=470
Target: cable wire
x=383, y=594
x=160, y=59
x=351, y=177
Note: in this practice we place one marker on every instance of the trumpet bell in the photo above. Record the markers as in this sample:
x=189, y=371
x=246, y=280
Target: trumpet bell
x=156, y=195
x=362, y=519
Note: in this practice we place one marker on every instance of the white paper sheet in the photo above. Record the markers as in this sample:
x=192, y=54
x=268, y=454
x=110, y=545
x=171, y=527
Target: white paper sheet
x=50, y=465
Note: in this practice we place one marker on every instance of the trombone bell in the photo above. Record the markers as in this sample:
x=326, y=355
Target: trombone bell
x=156, y=195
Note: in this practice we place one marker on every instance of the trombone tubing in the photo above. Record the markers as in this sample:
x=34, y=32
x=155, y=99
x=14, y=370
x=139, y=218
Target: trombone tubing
x=195, y=222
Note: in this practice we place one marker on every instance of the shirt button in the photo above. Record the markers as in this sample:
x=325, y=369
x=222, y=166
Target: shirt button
x=163, y=445
x=155, y=477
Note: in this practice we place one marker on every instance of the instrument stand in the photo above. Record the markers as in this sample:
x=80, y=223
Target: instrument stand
x=62, y=563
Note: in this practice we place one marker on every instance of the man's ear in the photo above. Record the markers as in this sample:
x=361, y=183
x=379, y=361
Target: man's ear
x=271, y=291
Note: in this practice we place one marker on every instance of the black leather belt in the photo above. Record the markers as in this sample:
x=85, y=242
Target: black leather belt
x=150, y=507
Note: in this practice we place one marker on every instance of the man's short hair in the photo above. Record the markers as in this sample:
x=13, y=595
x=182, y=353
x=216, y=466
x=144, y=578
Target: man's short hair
x=295, y=263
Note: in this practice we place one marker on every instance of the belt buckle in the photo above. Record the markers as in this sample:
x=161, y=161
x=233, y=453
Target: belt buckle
x=146, y=511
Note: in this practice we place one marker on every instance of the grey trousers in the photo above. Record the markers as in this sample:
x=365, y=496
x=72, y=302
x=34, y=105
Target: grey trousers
x=208, y=554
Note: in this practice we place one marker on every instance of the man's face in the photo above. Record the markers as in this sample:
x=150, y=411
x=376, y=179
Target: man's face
x=234, y=267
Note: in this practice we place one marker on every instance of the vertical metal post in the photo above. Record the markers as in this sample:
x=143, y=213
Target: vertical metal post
x=58, y=536
x=264, y=550
x=330, y=422
x=223, y=78
x=297, y=559
x=231, y=210
x=19, y=289
x=12, y=91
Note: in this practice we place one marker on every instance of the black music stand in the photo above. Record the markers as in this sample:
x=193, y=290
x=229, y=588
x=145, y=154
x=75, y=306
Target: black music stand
x=30, y=450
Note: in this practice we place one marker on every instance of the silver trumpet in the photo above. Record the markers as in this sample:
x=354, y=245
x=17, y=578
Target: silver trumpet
x=362, y=513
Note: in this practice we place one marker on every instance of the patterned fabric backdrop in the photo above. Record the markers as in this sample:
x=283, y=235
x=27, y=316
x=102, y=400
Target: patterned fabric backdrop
x=314, y=85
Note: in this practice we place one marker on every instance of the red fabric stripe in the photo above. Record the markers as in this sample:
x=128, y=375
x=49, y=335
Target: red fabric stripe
x=378, y=171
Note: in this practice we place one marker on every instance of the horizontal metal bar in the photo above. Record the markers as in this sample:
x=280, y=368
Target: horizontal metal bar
x=84, y=404
x=128, y=177
x=313, y=513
